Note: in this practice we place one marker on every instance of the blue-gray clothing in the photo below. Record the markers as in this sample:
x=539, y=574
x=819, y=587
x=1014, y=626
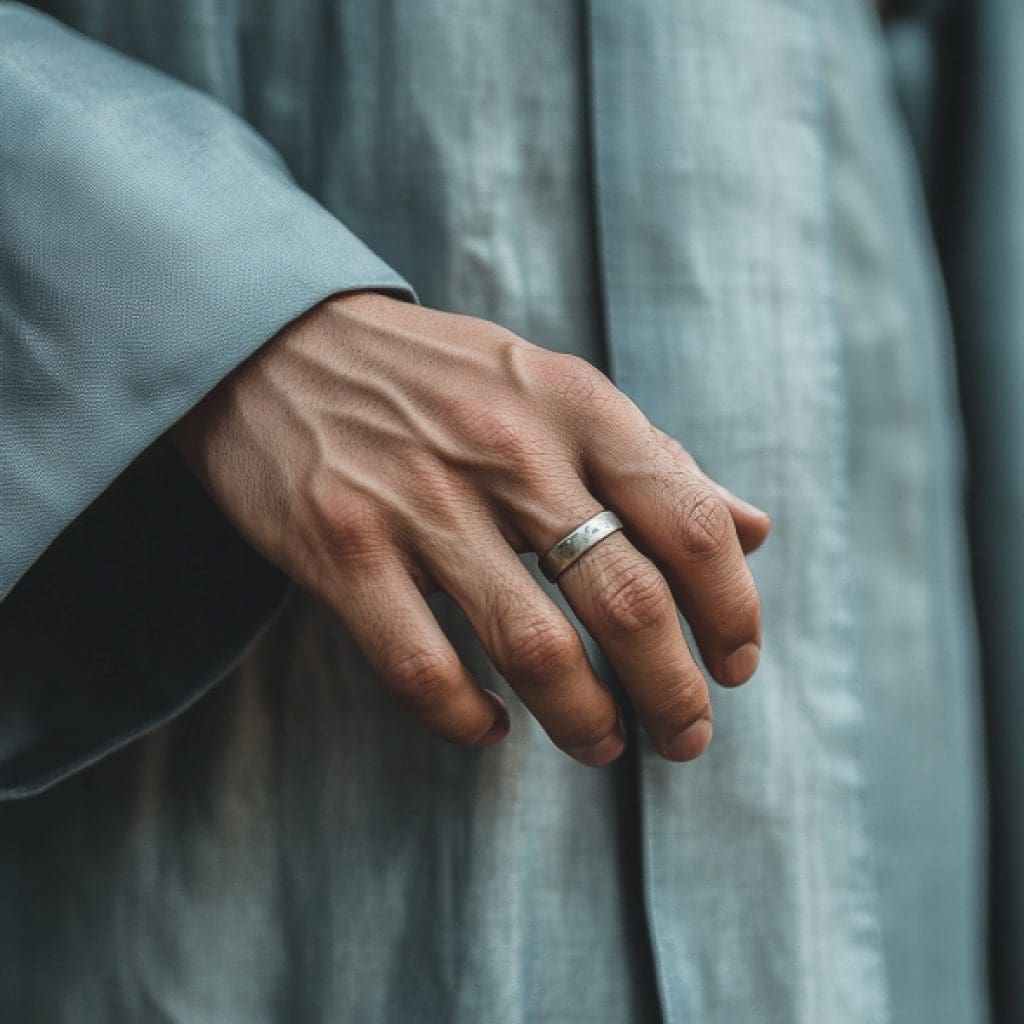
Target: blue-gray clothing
x=982, y=227
x=715, y=202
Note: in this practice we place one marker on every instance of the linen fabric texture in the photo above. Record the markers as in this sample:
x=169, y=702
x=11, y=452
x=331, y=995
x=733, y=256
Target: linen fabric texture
x=716, y=203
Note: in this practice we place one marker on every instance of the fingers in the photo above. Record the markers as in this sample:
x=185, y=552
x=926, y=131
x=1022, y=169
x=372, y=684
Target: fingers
x=531, y=643
x=685, y=545
x=627, y=606
x=752, y=524
x=682, y=521
x=405, y=646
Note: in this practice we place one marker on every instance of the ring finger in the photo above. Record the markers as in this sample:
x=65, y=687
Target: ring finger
x=627, y=606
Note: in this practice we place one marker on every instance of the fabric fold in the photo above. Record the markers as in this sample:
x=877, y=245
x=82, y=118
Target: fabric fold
x=150, y=241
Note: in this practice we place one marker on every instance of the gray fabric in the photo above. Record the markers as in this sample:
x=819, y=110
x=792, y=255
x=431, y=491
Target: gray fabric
x=961, y=74
x=911, y=573
x=148, y=238
x=717, y=203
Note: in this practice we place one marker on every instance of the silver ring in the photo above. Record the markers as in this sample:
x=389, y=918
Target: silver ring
x=577, y=542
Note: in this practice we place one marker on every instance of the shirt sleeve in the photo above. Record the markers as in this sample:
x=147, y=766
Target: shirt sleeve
x=150, y=241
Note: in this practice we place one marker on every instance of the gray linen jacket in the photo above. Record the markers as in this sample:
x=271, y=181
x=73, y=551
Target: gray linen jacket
x=718, y=204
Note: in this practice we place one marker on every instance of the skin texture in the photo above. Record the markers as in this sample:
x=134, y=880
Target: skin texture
x=378, y=451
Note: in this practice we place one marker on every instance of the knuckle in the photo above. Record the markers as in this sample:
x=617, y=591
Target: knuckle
x=678, y=455
x=347, y=528
x=572, y=380
x=543, y=648
x=636, y=599
x=681, y=703
x=748, y=607
x=705, y=522
x=584, y=723
x=328, y=509
x=426, y=485
x=736, y=614
x=421, y=675
x=504, y=433
x=499, y=436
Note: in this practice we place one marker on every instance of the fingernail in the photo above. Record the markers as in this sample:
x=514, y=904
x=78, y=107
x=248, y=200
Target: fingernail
x=501, y=724
x=736, y=500
x=603, y=752
x=741, y=664
x=752, y=509
x=691, y=742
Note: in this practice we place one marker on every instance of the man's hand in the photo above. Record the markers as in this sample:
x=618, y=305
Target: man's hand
x=378, y=451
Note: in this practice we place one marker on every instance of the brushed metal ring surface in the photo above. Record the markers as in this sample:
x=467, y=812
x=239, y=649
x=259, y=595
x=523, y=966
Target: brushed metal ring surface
x=578, y=542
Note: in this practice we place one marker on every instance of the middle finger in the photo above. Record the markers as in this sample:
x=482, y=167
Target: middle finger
x=530, y=642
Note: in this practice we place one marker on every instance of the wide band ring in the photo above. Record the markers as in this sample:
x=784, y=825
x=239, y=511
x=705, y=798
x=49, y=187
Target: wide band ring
x=577, y=542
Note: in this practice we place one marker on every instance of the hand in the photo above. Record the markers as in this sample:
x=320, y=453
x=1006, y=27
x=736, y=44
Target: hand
x=378, y=451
